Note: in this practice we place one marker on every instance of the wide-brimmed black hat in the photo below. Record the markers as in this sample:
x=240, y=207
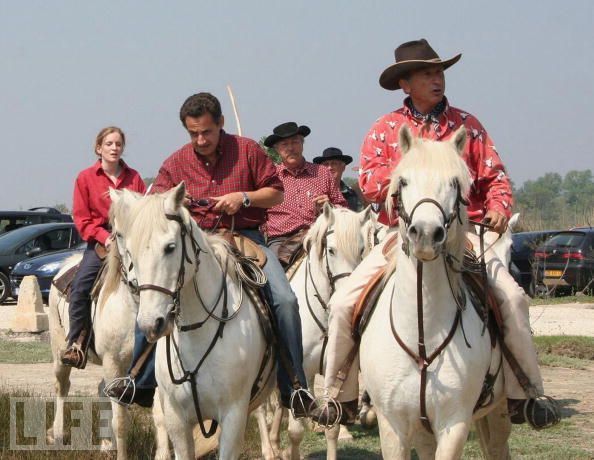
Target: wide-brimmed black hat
x=333, y=153
x=285, y=130
x=411, y=56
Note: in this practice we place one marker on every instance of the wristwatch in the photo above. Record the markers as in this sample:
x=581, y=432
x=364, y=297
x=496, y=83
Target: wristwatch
x=246, y=201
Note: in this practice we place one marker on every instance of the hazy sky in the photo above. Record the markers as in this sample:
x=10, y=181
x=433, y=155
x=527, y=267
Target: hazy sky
x=70, y=68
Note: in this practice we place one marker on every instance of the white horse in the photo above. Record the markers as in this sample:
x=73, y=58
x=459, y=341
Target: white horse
x=335, y=244
x=114, y=317
x=190, y=295
x=424, y=356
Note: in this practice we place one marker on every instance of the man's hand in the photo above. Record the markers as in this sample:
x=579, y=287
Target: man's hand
x=497, y=221
x=229, y=204
x=319, y=202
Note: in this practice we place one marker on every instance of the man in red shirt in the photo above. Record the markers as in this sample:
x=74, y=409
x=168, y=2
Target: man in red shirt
x=239, y=180
x=419, y=72
x=307, y=186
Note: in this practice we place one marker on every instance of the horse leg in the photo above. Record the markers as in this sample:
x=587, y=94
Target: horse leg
x=367, y=415
x=296, y=432
x=332, y=436
x=275, y=428
x=425, y=445
x=451, y=440
x=267, y=450
x=55, y=435
x=493, y=432
x=233, y=425
x=120, y=414
x=161, y=438
x=178, y=428
x=393, y=444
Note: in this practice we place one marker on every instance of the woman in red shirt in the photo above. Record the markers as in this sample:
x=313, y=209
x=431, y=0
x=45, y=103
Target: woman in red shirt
x=90, y=211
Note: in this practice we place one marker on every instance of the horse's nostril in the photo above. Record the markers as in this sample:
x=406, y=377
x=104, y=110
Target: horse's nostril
x=412, y=231
x=159, y=324
x=439, y=235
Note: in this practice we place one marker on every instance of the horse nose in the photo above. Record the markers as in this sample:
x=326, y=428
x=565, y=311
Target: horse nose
x=439, y=235
x=435, y=235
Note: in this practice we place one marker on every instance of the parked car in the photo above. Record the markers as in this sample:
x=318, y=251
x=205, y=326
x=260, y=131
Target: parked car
x=566, y=261
x=522, y=255
x=11, y=220
x=44, y=267
x=30, y=241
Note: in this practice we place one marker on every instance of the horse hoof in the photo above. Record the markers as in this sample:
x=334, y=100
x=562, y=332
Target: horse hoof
x=368, y=419
x=106, y=445
x=344, y=435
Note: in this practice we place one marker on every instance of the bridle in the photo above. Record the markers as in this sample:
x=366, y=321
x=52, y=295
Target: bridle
x=421, y=358
x=310, y=280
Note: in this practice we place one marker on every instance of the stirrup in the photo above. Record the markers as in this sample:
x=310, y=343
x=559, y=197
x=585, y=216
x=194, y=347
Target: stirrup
x=549, y=405
x=325, y=409
x=80, y=360
x=118, y=388
x=310, y=400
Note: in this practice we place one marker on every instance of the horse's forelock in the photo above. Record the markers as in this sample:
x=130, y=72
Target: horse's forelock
x=347, y=231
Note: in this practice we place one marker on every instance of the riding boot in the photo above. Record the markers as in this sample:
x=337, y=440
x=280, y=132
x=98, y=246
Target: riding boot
x=76, y=354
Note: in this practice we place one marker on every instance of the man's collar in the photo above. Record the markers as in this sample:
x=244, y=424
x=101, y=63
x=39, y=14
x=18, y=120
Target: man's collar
x=305, y=168
x=432, y=116
x=97, y=166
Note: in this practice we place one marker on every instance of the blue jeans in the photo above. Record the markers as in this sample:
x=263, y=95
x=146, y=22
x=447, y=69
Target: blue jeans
x=286, y=314
x=79, y=309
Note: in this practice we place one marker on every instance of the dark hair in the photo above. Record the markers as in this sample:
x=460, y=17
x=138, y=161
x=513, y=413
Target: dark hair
x=200, y=104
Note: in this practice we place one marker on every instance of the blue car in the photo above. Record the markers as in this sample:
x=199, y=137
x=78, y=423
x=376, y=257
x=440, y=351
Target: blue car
x=44, y=267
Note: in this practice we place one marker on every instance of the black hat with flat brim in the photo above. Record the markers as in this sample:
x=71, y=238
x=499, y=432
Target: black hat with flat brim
x=410, y=56
x=333, y=153
x=285, y=130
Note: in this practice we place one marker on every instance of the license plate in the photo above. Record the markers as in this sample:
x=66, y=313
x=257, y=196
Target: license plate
x=553, y=273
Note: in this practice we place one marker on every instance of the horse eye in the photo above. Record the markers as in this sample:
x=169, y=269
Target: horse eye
x=332, y=251
x=403, y=182
x=169, y=248
x=118, y=235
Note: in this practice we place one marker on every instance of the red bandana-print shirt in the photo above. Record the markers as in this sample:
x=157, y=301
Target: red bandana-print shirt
x=491, y=188
x=298, y=211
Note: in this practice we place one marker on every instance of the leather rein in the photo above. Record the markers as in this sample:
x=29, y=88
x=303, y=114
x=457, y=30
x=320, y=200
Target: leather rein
x=421, y=358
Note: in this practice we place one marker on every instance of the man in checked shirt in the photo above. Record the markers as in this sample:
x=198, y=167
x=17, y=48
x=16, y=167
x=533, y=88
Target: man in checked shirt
x=307, y=186
x=241, y=182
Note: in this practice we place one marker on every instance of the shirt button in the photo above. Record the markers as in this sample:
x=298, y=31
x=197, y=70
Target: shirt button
x=207, y=163
x=214, y=181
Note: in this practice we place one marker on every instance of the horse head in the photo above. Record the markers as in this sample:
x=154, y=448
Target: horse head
x=154, y=235
x=338, y=240
x=430, y=185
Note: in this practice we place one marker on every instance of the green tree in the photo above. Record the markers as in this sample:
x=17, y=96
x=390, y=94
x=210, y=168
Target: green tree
x=273, y=154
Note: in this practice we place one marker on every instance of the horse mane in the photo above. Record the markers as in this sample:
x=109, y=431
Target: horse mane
x=431, y=164
x=347, y=229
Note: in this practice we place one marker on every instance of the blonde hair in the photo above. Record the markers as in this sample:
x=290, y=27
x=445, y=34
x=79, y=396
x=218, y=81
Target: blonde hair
x=104, y=133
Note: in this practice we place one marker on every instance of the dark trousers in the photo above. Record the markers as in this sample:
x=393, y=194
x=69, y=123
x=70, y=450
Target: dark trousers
x=79, y=309
x=286, y=314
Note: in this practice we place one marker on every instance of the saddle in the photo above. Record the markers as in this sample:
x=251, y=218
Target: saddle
x=245, y=246
x=291, y=248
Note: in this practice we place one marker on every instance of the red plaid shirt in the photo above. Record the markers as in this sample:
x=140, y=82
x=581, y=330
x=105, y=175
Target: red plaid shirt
x=297, y=211
x=242, y=166
x=491, y=188
x=91, y=201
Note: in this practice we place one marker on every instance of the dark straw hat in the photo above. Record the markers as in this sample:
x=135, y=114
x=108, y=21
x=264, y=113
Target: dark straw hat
x=285, y=130
x=412, y=56
x=333, y=153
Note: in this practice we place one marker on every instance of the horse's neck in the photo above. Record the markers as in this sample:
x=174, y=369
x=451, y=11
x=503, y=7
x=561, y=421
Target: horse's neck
x=439, y=306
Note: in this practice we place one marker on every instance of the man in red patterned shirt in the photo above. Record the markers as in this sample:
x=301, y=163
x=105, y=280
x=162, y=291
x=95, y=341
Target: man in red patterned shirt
x=419, y=72
x=239, y=180
x=307, y=186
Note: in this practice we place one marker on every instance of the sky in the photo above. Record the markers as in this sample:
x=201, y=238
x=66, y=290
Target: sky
x=70, y=68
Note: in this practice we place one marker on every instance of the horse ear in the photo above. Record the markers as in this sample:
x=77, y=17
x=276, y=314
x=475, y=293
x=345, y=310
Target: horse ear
x=405, y=139
x=365, y=214
x=513, y=222
x=175, y=197
x=327, y=210
x=459, y=139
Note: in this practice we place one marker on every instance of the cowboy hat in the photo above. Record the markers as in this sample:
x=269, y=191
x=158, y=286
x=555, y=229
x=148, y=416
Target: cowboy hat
x=410, y=56
x=333, y=153
x=285, y=130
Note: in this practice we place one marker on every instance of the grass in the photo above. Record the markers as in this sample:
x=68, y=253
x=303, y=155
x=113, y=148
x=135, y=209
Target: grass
x=562, y=300
x=24, y=352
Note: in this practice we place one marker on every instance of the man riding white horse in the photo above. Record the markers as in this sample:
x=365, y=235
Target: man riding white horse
x=236, y=179
x=419, y=72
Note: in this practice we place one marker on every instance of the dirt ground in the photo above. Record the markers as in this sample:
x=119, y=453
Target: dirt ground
x=571, y=387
